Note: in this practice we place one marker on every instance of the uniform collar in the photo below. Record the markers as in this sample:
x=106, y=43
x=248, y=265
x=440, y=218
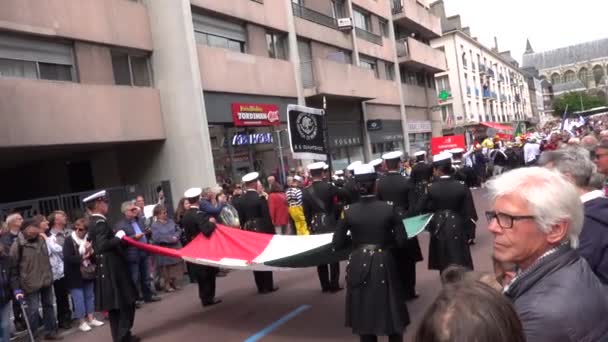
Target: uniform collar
x=592, y=195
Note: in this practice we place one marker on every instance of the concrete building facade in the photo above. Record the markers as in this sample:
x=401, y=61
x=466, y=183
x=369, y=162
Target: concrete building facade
x=103, y=93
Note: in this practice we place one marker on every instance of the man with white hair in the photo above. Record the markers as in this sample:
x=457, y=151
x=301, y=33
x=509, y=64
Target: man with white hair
x=536, y=219
x=13, y=225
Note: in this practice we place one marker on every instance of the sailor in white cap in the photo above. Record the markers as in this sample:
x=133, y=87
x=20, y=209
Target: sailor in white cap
x=420, y=156
x=374, y=294
x=112, y=277
x=296, y=205
x=462, y=171
x=321, y=213
x=351, y=193
x=455, y=215
x=398, y=190
x=195, y=222
x=422, y=172
x=255, y=216
x=377, y=164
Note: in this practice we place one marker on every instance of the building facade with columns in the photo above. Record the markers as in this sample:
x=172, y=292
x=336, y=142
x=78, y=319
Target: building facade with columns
x=104, y=93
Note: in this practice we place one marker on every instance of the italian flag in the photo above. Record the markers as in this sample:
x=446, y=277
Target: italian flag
x=233, y=248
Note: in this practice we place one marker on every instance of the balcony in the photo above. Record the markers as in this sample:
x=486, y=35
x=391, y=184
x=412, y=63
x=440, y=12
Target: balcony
x=320, y=27
x=314, y=16
x=369, y=36
x=233, y=72
x=410, y=14
x=420, y=56
x=269, y=14
x=113, y=22
x=416, y=96
x=325, y=77
x=43, y=113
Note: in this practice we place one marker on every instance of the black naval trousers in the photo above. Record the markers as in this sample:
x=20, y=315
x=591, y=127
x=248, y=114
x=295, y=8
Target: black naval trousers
x=121, y=322
x=329, y=276
x=374, y=338
x=205, y=276
x=264, y=281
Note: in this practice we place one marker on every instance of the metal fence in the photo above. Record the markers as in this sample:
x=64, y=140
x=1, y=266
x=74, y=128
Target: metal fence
x=369, y=36
x=72, y=203
x=314, y=16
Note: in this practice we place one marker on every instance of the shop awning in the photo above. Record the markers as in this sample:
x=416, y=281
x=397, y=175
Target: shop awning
x=498, y=126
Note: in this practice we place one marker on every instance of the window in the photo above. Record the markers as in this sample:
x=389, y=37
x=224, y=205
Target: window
x=430, y=81
x=384, y=28
x=408, y=77
x=131, y=70
x=447, y=111
x=337, y=8
x=464, y=59
x=420, y=79
x=362, y=20
x=390, y=71
x=443, y=82
x=219, y=33
x=369, y=63
x=277, y=45
x=35, y=59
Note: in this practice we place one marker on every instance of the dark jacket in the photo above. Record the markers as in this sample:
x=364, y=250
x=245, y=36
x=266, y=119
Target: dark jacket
x=319, y=200
x=114, y=288
x=72, y=261
x=559, y=299
x=133, y=254
x=254, y=213
x=34, y=265
x=8, y=278
x=7, y=240
x=594, y=237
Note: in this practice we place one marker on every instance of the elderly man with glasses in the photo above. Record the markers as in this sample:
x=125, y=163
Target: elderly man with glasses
x=536, y=220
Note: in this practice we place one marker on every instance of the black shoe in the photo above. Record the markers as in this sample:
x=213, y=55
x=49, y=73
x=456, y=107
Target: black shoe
x=336, y=289
x=212, y=302
x=54, y=336
x=65, y=325
x=153, y=299
x=267, y=291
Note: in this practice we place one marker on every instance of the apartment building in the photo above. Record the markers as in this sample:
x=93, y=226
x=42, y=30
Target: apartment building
x=102, y=93
x=481, y=83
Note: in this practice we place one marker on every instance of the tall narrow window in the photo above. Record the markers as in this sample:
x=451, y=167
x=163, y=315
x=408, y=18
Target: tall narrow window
x=131, y=70
x=384, y=28
x=369, y=63
x=390, y=71
x=362, y=20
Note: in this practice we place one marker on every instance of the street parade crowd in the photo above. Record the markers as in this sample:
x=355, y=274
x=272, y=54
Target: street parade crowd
x=549, y=220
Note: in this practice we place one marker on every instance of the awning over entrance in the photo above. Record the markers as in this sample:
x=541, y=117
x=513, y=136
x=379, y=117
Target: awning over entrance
x=498, y=126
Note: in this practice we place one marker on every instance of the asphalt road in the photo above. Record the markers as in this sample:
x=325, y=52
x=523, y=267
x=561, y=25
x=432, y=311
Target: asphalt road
x=298, y=311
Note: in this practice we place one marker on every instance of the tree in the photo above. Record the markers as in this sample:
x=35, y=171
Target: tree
x=574, y=101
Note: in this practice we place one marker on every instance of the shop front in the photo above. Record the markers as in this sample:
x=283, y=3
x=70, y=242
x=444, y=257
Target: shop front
x=387, y=136
x=346, y=143
x=248, y=133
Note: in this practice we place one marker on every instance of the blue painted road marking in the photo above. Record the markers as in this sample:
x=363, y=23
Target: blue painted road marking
x=259, y=335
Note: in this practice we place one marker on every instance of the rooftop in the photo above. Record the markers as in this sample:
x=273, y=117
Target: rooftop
x=583, y=52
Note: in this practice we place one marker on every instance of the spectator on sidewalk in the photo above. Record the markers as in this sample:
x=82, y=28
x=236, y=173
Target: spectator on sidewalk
x=8, y=237
x=8, y=274
x=279, y=211
x=55, y=242
x=166, y=233
x=35, y=276
x=80, y=275
x=296, y=205
x=209, y=203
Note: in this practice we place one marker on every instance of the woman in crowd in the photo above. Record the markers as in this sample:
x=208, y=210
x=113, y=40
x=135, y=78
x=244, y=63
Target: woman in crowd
x=80, y=275
x=166, y=233
x=470, y=311
x=279, y=210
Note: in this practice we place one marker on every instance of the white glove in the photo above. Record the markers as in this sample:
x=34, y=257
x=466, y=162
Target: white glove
x=120, y=234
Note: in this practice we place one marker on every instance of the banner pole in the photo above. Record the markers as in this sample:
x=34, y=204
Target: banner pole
x=326, y=136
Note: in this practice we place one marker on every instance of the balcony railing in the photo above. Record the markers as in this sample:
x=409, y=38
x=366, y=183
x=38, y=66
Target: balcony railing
x=396, y=6
x=314, y=16
x=369, y=36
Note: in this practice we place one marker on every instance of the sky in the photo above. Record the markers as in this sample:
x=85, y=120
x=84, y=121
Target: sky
x=549, y=24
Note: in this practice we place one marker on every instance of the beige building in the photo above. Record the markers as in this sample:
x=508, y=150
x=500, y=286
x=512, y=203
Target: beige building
x=103, y=93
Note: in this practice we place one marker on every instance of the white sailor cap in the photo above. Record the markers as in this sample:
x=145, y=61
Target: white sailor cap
x=419, y=154
x=376, y=162
x=365, y=172
x=98, y=196
x=325, y=167
x=353, y=165
x=392, y=155
x=297, y=178
x=193, y=192
x=442, y=157
x=316, y=166
x=339, y=173
x=250, y=177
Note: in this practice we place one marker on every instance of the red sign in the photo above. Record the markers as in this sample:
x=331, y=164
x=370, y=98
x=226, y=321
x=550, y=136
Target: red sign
x=440, y=144
x=251, y=114
x=504, y=136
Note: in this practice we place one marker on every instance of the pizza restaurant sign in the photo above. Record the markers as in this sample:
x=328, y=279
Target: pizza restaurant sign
x=248, y=114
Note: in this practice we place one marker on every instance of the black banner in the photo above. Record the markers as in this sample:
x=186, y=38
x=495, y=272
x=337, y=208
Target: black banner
x=306, y=136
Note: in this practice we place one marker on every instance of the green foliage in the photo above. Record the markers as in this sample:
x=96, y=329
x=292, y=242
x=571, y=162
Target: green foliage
x=574, y=101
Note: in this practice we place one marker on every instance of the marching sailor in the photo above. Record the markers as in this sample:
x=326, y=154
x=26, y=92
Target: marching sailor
x=377, y=164
x=375, y=300
x=397, y=189
x=255, y=216
x=462, y=171
x=321, y=214
x=351, y=193
x=455, y=216
x=195, y=222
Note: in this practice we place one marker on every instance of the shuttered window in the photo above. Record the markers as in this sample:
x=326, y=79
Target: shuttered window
x=219, y=33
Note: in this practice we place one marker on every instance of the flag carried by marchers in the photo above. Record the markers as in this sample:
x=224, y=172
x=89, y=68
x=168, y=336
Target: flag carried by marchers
x=417, y=224
x=306, y=135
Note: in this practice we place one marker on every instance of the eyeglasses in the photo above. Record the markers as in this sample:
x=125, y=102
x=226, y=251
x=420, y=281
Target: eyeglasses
x=505, y=221
x=133, y=210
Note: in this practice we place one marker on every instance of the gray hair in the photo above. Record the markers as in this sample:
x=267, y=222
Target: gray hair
x=550, y=196
x=573, y=161
x=597, y=181
x=12, y=217
x=125, y=206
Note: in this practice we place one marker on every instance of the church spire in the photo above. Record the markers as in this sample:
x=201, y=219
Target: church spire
x=529, y=49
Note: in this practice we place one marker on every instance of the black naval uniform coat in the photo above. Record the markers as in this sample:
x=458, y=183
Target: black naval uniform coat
x=114, y=289
x=350, y=192
x=194, y=222
x=452, y=203
x=375, y=300
x=318, y=203
x=395, y=188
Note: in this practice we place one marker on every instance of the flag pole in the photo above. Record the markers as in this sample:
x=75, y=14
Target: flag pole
x=564, y=118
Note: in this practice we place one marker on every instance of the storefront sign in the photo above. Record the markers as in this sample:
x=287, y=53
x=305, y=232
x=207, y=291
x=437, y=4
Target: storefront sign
x=252, y=139
x=248, y=114
x=419, y=126
x=306, y=138
x=374, y=125
x=340, y=142
x=440, y=144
